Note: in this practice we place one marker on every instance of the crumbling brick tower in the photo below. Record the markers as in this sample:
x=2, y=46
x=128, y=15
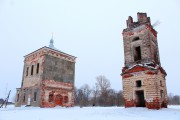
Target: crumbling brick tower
x=144, y=83
x=48, y=78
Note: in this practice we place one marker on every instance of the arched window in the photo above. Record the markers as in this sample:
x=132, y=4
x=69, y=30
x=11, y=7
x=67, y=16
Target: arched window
x=135, y=39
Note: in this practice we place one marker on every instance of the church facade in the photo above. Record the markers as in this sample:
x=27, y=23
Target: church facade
x=144, y=82
x=48, y=78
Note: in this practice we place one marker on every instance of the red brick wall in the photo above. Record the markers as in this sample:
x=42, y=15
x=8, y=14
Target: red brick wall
x=57, y=88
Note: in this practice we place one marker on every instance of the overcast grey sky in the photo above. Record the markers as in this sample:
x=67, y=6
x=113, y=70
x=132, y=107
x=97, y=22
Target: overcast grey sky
x=91, y=30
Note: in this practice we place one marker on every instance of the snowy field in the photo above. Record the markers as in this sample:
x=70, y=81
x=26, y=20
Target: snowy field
x=89, y=113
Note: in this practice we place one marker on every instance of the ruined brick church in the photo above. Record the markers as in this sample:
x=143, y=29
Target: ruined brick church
x=144, y=83
x=48, y=78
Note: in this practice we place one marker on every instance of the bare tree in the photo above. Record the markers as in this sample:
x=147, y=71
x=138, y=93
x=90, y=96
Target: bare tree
x=102, y=83
x=95, y=92
x=176, y=100
x=112, y=98
x=120, y=99
x=170, y=98
x=86, y=91
x=76, y=96
x=82, y=95
x=104, y=86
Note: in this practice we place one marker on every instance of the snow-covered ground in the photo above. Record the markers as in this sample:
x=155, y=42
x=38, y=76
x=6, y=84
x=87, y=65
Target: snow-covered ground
x=89, y=113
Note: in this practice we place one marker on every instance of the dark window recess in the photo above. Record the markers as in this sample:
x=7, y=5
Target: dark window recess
x=35, y=96
x=155, y=56
x=37, y=68
x=24, y=97
x=32, y=67
x=17, y=98
x=51, y=97
x=27, y=70
x=66, y=99
x=161, y=83
x=135, y=39
x=162, y=95
x=137, y=53
x=138, y=83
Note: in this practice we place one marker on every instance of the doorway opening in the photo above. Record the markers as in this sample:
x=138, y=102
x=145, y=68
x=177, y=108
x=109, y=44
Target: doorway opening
x=140, y=102
x=58, y=99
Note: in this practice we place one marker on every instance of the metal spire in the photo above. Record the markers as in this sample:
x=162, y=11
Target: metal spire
x=51, y=43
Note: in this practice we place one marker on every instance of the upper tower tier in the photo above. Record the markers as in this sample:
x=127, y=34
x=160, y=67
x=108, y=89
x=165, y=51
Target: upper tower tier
x=140, y=42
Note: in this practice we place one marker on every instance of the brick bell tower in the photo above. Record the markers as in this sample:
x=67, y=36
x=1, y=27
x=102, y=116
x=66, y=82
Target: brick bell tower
x=144, y=83
x=48, y=78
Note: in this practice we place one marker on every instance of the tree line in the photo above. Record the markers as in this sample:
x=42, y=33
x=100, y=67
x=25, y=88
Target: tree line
x=103, y=95
x=173, y=99
x=100, y=95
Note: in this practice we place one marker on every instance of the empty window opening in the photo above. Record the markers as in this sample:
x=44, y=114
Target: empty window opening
x=135, y=39
x=162, y=99
x=24, y=97
x=162, y=95
x=138, y=83
x=51, y=97
x=17, y=98
x=161, y=83
x=32, y=67
x=65, y=99
x=35, y=96
x=137, y=53
x=37, y=68
x=155, y=56
x=140, y=102
x=27, y=70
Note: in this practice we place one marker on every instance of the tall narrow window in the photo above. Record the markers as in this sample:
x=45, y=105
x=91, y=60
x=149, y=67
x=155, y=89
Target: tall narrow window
x=155, y=55
x=35, y=95
x=161, y=83
x=27, y=70
x=65, y=99
x=137, y=53
x=32, y=67
x=50, y=97
x=24, y=97
x=162, y=95
x=17, y=97
x=37, y=69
